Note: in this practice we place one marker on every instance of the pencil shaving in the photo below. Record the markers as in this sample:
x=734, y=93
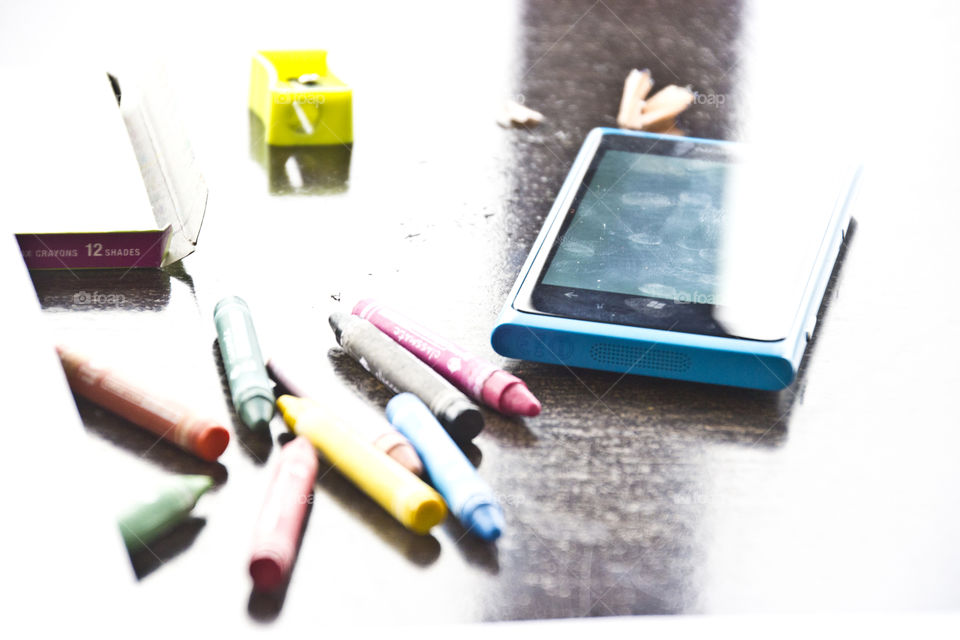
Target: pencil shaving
x=635, y=89
x=670, y=98
x=512, y=113
x=657, y=113
x=658, y=120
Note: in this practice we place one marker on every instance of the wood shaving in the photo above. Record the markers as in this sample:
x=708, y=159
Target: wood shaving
x=659, y=112
x=515, y=114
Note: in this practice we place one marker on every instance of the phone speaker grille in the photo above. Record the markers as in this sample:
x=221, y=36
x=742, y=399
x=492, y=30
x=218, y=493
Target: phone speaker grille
x=637, y=358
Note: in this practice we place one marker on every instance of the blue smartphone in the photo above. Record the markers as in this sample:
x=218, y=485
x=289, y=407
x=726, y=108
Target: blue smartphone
x=681, y=258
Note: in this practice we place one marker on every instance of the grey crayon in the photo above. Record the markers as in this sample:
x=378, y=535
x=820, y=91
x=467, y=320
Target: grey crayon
x=402, y=371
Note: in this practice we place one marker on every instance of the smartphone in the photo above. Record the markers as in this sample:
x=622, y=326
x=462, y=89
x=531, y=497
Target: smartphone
x=682, y=258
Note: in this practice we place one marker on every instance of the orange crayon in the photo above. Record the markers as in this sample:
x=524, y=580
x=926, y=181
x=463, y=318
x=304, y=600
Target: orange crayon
x=170, y=420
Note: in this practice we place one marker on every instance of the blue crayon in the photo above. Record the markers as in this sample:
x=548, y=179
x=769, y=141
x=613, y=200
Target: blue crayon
x=467, y=495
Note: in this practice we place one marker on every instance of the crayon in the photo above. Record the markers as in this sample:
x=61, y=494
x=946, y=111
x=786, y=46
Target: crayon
x=281, y=518
x=146, y=521
x=405, y=496
x=250, y=388
x=401, y=371
x=371, y=425
x=200, y=436
x=478, y=378
x=469, y=498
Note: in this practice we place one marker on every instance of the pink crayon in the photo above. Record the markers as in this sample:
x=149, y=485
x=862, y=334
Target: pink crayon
x=281, y=519
x=476, y=377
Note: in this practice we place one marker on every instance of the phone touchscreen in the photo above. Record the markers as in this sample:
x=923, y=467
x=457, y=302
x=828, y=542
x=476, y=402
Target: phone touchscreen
x=686, y=236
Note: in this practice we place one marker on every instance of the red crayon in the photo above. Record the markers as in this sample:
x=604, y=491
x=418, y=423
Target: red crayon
x=168, y=419
x=476, y=377
x=281, y=519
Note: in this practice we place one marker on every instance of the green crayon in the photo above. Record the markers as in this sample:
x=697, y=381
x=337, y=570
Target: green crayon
x=250, y=388
x=146, y=521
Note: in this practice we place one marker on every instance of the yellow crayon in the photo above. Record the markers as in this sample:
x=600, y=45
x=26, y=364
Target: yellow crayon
x=405, y=496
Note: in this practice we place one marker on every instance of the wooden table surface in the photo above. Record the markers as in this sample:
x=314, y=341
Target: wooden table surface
x=627, y=495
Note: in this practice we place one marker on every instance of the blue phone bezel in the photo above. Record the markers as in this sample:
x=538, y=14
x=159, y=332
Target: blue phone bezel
x=695, y=357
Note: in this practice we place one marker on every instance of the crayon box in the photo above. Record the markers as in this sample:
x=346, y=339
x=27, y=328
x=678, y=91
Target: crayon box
x=99, y=173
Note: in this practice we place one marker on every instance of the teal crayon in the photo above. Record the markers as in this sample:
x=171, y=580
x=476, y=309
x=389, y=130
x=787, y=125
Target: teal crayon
x=146, y=521
x=250, y=388
x=469, y=498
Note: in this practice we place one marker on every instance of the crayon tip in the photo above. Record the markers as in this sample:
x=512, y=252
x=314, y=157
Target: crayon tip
x=267, y=571
x=487, y=522
x=518, y=400
x=212, y=440
x=426, y=514
x=407, y=456
x=337, y=319
x=256, y=412
x=197, y=484
x=462, y=420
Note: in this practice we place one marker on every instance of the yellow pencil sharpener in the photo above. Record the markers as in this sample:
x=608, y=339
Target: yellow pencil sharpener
x=298, y=100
